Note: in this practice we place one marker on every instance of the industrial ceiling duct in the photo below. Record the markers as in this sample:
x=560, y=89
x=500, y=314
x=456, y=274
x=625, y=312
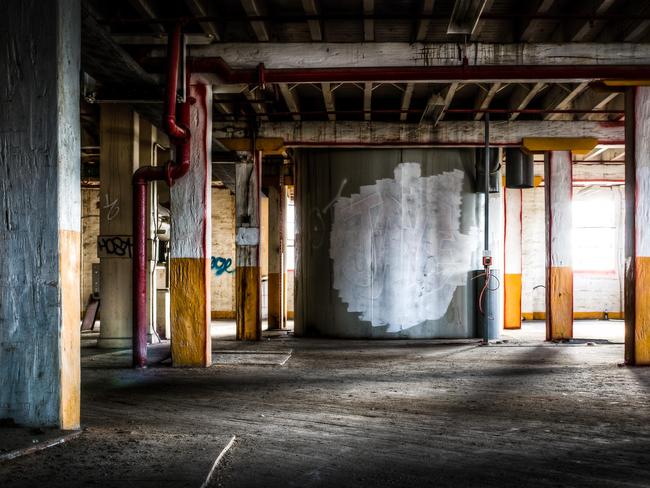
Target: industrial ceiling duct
x=519, y=169
x=494, y=169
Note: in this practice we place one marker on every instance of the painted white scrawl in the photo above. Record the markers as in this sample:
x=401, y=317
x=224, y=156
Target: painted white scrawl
x=398, y=254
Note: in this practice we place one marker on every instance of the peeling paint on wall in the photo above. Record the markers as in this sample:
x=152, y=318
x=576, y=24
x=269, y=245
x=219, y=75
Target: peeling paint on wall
x=397, y=250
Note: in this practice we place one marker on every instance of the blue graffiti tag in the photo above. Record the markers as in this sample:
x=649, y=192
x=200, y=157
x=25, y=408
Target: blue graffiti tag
x=220, y=265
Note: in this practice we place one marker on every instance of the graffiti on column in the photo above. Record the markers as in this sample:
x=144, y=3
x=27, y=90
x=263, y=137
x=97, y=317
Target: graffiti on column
x=221, y=265
x=114, y=247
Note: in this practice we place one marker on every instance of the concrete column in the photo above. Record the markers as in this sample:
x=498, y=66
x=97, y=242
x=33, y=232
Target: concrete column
x=247, y=219
x=119, y=158
x=276, y=258
x=191, y=237
x=637, y=223
x=558, y=186
x=512, y=259
x=40, y=212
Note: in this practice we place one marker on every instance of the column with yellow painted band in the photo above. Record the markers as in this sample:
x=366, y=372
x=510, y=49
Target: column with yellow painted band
x=512, y=258
x=191, y=241
x=41, y=215
x=558, y=181
x=637, y=223
x=275, y=257
x=247, y=217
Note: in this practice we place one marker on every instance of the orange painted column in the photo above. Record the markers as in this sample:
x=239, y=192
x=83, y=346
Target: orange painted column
x=512, y=259
x=189, y=265
x=637, y=226
x=558, y=186
x=248, y=174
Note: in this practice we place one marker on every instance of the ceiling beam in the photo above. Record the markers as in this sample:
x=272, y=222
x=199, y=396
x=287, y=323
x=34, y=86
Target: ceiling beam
x=258, y=107
x=586, y=30
x=559, y=99
x=328, y=98
x=465, y=16
x=291, y=100
x=522, y=96
x=481, y=22
x=531, y=28
x=367, y=100
x=253, y=8
x=595, y=100
x=406, y=101
x=311, y=8
x=147, y=11
x=448, y=97
x=422, y=28
x=485, y=98
x=636, y=34
x=368, y=23
x=199, y=9
x=453, y=133
x=404, y=54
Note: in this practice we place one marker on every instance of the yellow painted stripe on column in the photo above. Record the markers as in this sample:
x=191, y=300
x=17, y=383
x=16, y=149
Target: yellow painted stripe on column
x=642, y=312
x=249, y=323
x=69, y=270
x=190, y=314
x=512, y=292
x=559, y=321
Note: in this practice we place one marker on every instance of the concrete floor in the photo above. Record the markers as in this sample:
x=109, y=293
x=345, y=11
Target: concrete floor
x=362, y=413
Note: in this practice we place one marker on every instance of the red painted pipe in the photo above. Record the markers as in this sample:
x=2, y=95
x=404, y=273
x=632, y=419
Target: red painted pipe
x=179, y=133
x=415, y=73
x=173, y=130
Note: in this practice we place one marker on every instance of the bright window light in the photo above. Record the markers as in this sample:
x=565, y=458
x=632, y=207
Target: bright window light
x=594, y=235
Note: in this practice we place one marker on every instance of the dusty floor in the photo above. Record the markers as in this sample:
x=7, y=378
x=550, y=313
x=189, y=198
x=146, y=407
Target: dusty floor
x=363, y=413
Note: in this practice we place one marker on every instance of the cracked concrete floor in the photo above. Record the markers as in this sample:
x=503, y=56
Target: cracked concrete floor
x=364, y=413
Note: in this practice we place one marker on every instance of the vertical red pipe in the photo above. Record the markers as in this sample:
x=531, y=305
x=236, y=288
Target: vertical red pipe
x=179, y=133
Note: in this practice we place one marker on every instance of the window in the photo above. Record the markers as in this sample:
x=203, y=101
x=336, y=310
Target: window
x=594, y=233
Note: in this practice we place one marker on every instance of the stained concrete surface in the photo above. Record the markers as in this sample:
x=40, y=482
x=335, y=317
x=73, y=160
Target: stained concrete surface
x=365, y=413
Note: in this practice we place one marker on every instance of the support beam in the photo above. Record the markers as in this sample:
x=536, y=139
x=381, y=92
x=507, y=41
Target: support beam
x=636, y=34
x=199, y=9
x=40, y=208
x=637, y=237
x=402, y=54
x=247, y=218
x=276, y=300
x=291, y=100
x=191, y=236
x=485, y=98
x=512, y=258
x=311, y=8
x=594, y=100
x=559, y=271
x=523, y=96
x=368, y=23
x=406, y=101
x=119, y=157
x=328, y=97
x=560, y=99
x=446, y=133
x=367, y=100
x=253, y=8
